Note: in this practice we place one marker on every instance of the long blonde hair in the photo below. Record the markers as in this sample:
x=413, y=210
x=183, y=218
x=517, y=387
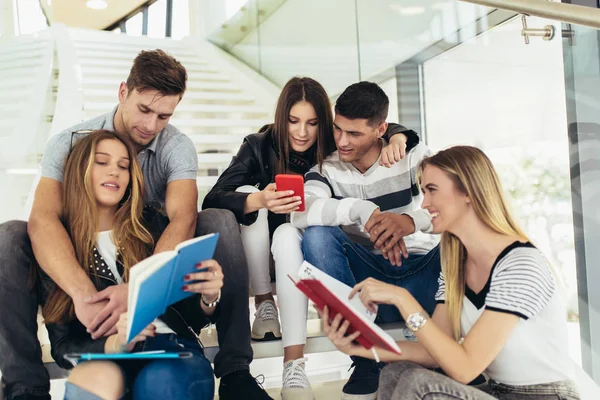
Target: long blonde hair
x=80, y=217
x=474, y=175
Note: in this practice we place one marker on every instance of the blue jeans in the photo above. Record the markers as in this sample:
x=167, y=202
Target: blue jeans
x=330, y=250
x=408, y=380
x=176, y=379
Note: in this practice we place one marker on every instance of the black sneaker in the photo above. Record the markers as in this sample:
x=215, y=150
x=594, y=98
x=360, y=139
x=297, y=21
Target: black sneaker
x=363, y=382
x=241, y=385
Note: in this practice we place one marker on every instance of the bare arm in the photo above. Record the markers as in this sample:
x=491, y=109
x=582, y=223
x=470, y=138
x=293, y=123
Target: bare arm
x=51, y=243
x=54, y=251
x=411, y=351
x=182, y=210
x=462, y=362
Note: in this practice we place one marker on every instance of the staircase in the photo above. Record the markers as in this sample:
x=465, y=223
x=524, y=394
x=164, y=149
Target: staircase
x=25, y=114
x=219, y=108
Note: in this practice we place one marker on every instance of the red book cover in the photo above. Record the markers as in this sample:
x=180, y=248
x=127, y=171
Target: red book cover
x=370, y=334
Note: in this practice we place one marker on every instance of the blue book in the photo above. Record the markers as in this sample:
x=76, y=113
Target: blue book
x=155, y=283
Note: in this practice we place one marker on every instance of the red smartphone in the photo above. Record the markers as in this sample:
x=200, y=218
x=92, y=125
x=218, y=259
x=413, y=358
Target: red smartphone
x=291, y=182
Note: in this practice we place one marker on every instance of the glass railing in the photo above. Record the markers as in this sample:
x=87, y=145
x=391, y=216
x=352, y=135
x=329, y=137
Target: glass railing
x=337, y=42
x=461, y=73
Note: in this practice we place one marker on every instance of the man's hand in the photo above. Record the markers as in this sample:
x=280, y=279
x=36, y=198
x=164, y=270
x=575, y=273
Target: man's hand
x=105, y=322
x=395, y=253
x=394, y=151
x=86, y=312
x=386, y=229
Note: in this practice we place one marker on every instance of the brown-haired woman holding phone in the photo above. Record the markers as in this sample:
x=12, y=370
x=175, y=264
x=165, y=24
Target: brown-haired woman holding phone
x=300, y=137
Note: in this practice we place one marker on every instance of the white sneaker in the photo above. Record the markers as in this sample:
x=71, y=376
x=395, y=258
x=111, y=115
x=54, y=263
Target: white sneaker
x=295, y=382
x=266, y=324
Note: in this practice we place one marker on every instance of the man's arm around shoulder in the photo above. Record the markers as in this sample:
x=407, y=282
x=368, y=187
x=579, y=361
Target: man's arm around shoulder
x=53, y=248
x=181, y=204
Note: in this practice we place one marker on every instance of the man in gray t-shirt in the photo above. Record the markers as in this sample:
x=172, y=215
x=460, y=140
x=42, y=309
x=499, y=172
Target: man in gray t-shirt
x=147, y=100
x=170, y=157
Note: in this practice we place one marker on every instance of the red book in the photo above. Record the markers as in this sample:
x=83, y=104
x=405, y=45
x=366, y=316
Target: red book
x=321, y=295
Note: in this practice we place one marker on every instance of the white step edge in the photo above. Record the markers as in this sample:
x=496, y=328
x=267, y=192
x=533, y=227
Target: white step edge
x=83, y=53
x=28, y=63
x=217, y=123
x=185, y=107
x=206, y=181
x=127, y=64
x=109, y=93
x=317, y=341
x=129, y=48
x=191, y=85
x=121, y=74
x=214, y=158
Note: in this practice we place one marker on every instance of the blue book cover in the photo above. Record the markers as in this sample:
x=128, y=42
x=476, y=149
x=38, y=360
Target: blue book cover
x=155, y=283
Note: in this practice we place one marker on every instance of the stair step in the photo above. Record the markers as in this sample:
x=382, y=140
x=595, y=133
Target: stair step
x=317, y=341
x=120, y=74
x=191, y=85
x=201, y=140
x=127, y=64
x=130, y=54
x=189, y=108
x=214, y=158
x=130, y=48
x=110, y=93
x=16, y=83
x=21, y=55
x=206, y=182
x=20, y=63
x=216, y=122
x=23, y=48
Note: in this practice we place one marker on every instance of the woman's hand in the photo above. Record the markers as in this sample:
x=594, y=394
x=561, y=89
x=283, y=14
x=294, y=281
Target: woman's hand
x=210, y=280
x=394, y=151
x=336, y=332
x=121, y=335
x=279, y=202
x=372, y=292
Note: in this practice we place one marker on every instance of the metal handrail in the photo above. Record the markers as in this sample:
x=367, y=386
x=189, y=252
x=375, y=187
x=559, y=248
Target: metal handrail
x=569, y=13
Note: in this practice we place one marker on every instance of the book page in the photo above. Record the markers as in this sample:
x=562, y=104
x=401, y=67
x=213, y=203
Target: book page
x=191, y=241
x=308, y=271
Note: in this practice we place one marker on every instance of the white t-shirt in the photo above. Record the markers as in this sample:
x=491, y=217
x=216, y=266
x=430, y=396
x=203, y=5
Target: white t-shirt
x=521, y=283
x=108, y=251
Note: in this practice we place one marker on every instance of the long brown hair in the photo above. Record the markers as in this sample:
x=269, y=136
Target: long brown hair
x=80, y=217
x=303, y=89
x=474, y=175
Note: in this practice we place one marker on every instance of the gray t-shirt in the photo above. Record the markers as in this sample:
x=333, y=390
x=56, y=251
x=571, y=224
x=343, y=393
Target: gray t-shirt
x=169, y=157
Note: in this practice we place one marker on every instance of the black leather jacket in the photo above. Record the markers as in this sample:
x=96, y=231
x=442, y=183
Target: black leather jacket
x=254, y=165
x=186, y=318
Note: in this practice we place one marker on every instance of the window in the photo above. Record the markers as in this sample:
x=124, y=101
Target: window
x=157, y=19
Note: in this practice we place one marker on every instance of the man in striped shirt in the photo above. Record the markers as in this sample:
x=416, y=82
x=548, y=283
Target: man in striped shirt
x=364, y=220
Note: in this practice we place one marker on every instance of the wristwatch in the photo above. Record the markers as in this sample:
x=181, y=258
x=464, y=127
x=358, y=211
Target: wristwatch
x=415, y=321
x=214, y=303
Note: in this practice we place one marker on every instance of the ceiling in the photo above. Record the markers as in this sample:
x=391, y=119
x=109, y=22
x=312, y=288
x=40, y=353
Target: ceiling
x=76, y=14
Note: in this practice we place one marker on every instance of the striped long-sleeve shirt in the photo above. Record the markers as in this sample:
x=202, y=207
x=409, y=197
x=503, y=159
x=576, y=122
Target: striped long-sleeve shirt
x=340, y=195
